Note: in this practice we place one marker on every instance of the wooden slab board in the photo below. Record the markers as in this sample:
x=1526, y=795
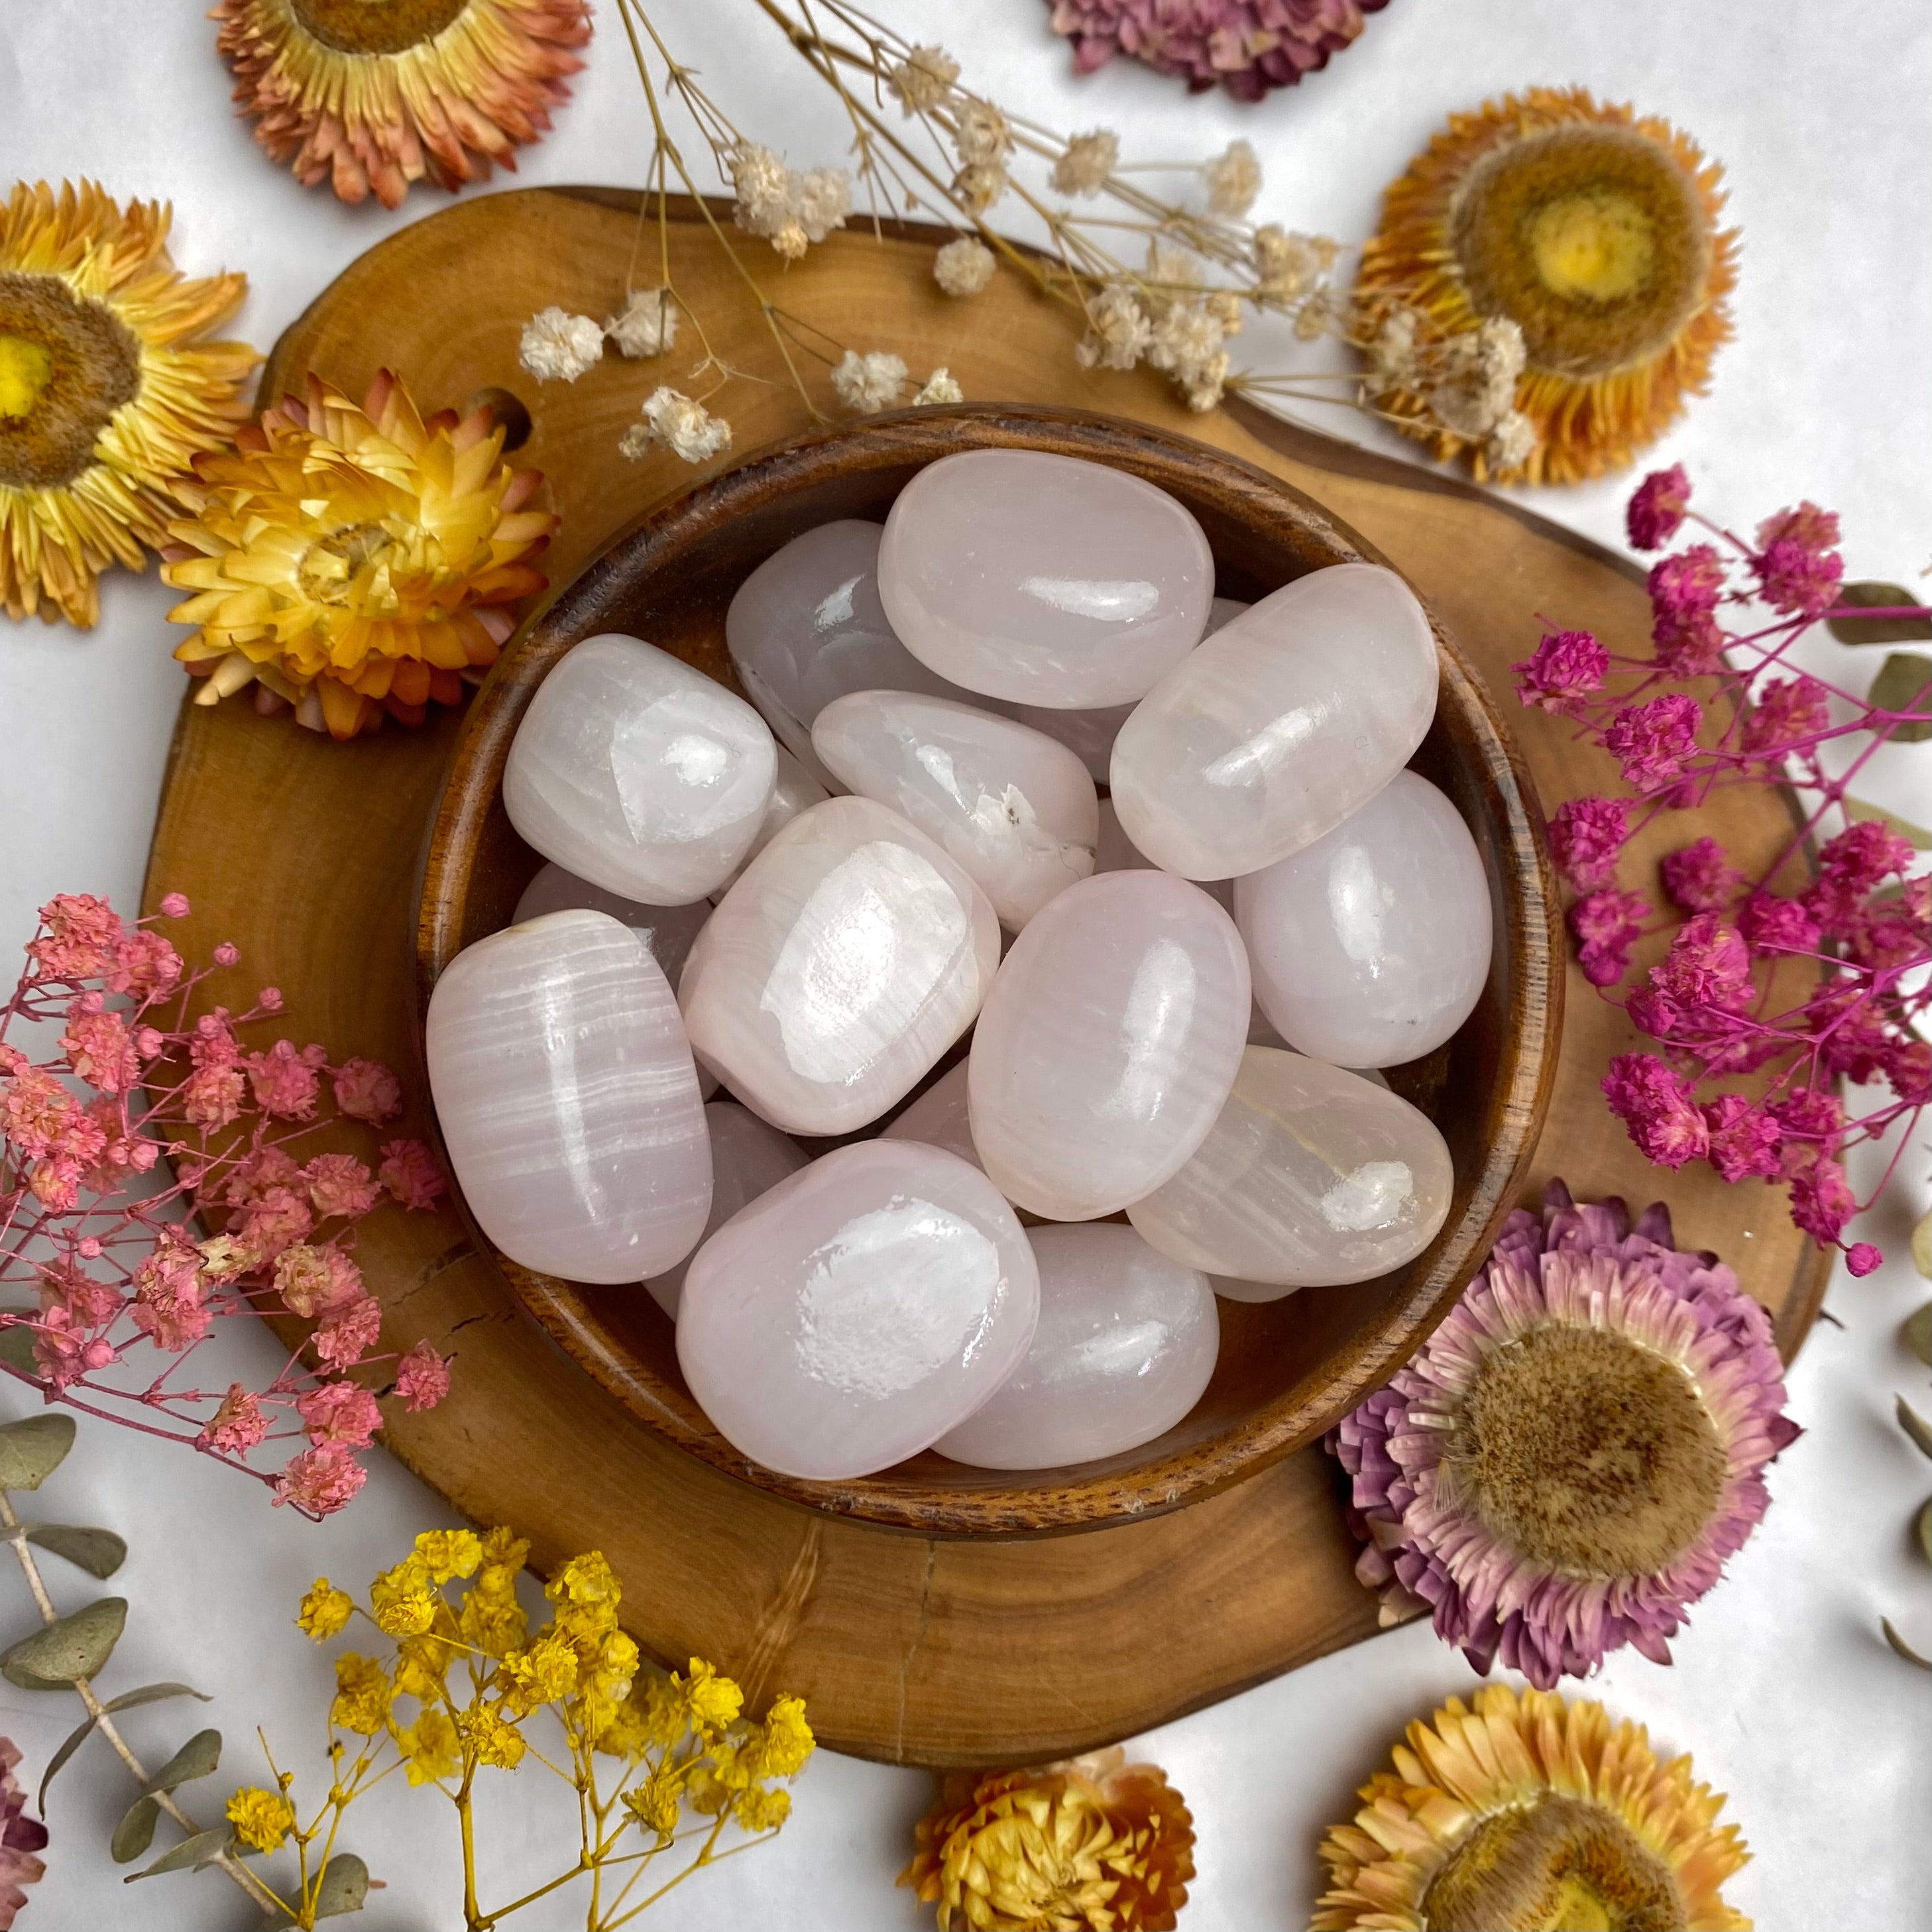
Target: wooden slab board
x=305, y=853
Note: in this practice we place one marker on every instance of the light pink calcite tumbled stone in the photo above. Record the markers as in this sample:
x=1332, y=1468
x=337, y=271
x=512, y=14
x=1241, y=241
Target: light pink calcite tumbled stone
x=794, y=790
x=749, y=1157
x=1284, y=722
x=668, y=930
x=568, y=1100
x=852, y=1316
x=1111, y=1037
x=849, y=957
x=1126, y=1343
x=1044, y=579
x=1015, y=808
x=1372, y=945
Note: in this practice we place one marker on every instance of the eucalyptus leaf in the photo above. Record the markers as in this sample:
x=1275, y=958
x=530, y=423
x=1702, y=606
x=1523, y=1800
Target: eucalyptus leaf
x=344, y=1886
x=148, y=1693
x=1916, y=1426
x=1870, y=596
x=1922, y=1525
x=16, y=1348
x=32, y=1450
x=136, y=1832
x=199, y=1757
x=1904, y=1649
x=1904, y=683
x=99, y=1552
x=1918, y=1334
x=75, y=1647
x=191, y=1855
x=1913, y=835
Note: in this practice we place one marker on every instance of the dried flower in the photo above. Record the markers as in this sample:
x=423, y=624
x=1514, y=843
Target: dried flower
x=1491, y=1817
x=1118, y=331
x=557, y=346
x=979, y=184
x=868, y=383
x=20, y=1838
x=963, y=267
x=1796, y=562
x=1567, y=667
x=1288, y=266
x=1084, y=164
x=980, y=132
x=1233, y=179
x=939, y=387
x=923, y=79
x=1657, y=508
x=647, y=325
x=109, y=390
x=1091, y=1841
x=354, y=561
x=790, y=209
x=1247, y=46
x=1595, y=231
x=261, y=1819
x=673, y=422
x=1570, y=1461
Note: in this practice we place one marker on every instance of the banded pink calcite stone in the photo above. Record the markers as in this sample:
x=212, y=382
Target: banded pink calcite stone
x=794, y=790
x=1016, y=810
x=1042, y=578
x=1371, y=946
x=1126, y=1343
x=668, y=930
x=852, y=1316
x=568, y=1100
x=849, y=956
x=1312, y=1175
x=638, y=773
x=747, y=1159
x=1111, y=1037
x=1280, y=725
x=938, y=1117
x=807, y=626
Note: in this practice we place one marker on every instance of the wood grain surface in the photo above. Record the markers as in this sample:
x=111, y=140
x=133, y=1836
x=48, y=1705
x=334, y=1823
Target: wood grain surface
x=305, y=853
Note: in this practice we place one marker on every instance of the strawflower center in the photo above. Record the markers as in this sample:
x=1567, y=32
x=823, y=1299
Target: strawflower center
x=66, y=365
x=376, y=26
x=1594, y=240
x=1559, y=1865
x=1588, y=1453
x=349, y=565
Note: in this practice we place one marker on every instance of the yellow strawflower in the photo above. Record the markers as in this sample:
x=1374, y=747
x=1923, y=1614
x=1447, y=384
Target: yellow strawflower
x=324, y=1612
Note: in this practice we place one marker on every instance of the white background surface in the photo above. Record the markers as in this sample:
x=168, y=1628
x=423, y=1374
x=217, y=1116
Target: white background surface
x=1783, y=1688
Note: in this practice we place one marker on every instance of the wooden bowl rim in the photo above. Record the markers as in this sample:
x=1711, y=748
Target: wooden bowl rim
x=1066, y=1500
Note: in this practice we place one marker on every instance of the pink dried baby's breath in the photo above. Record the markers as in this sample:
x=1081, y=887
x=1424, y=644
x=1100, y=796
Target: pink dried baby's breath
x=422, y=1378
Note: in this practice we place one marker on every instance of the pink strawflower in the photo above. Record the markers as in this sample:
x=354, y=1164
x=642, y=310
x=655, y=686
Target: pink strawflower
x=82, y=934
x=100, y=1049
x=1651, y=743
x=1657, y=508
x=365, y=1089
x=1744, y=1137
x=1655, y=1105
x=349, y=1334
x=340, y=1412
x=422, y=1378
x=284, y=1081
x=320, y=1481
x=1586, y=836
x=1247, y=46
x=1770, y=924
x=1700, y=877
x=1551, y=1581
x=317, y=1283
x=174, y=905
x=410, y=1173
x=1862, y=1258
x=237, y=1425
x=144, y=964
x=20, y=1837
x=1822, y=1200
x=64, y=1352
x=1796, y=563
x=338, y=1183
x=1606, y=925
x=1567, y=667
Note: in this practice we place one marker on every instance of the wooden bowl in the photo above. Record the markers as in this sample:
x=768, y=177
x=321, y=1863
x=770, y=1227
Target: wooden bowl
x=1289, y=1369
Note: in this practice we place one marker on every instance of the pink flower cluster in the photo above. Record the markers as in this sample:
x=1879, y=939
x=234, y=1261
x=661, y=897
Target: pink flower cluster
x=1791, y=991
x=128, y=1283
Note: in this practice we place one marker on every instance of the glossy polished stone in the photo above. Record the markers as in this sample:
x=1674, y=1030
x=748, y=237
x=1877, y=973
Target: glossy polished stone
x=794, y=790
x=1126, y=1343
x=807, y=626
x=1116, y=852
x=1311, y=1175
x=852, y=1316
x=1279, y=726
x=1109, y=1042
x=1044, y=579
x=567, y=1099
x=1016, y=810
x=849, y=956
x=668, y=930
x=638, y=773
x=938, y=1117
x=1371, y=946
x=749, y=1158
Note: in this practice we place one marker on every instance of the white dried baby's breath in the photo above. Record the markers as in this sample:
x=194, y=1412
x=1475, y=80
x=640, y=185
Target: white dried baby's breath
x=980, y=132
x=789, y=209
x=647, y=326
x=963, y=267
x=923, y=79
x=1508, y=446
x=1289, y=266
x=868, y=383
x=1118, y=331
x=1233, y=178
x=939, y=388
x=557, y=346
x=979, y=184
x=673, y=422
x=1086, y=162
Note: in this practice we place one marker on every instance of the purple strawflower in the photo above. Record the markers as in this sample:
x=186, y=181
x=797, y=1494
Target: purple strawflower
x=1585, y=836
x=1246, y=46
x=1657, y=508
x=1652, y=742
x=1700, y=877
x=1654, y=1102
x=1567, y=667
x=1568, y=1463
